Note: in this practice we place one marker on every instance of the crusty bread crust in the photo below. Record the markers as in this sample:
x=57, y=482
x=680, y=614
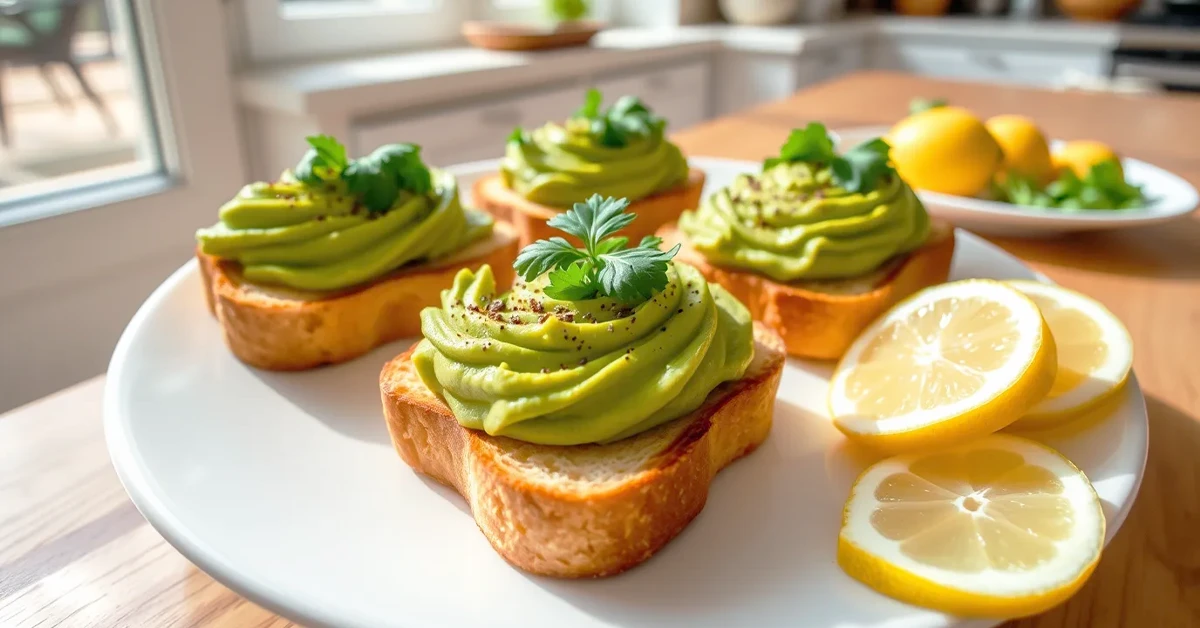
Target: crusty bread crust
x=819, y=319
x=281, y=329
x=529, y=218
x=588, y=510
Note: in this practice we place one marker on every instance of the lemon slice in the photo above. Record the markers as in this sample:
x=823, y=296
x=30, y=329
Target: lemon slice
x=954, y=361
x=998, y=527
x=1095, y=353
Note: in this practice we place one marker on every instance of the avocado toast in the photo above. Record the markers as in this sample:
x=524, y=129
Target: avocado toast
x=339, y=256
x=621, y=151
x=817, y=245
x=583, y=414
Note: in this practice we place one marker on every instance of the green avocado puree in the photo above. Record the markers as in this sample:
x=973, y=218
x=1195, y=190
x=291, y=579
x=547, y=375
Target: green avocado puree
x=318, y=238
x=557, y=165
x=529, y=367
x=791, y=222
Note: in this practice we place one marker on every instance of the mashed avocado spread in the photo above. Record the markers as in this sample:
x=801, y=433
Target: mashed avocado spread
x=561, y=359
x=318, y=235
x=558, y=372
x=619, y=152
x=797, y=220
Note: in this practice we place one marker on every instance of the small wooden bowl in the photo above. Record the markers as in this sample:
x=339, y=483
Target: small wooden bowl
x=516, y=36
x=1096, y=10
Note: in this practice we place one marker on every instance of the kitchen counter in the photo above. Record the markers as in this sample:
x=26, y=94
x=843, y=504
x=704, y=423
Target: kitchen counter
x=420, y=77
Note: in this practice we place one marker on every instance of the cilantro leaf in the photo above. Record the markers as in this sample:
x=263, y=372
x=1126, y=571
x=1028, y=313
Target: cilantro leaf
x=812, y=143
x=634, y=275
x=861, y=168
x=594, y=220
x=545, y=255
x=605, y=266
x=326, y=159
x=591, y=104
x=626, y=120
x=919, y=105
x=611, y=244
x=378, y=178
x=329, y=149
x=572, y=283
x=650, y=242
x=518, y=135
x=1103, y=187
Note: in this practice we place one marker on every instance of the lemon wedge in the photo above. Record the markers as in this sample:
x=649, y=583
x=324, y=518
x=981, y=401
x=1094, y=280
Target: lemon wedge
x=998, y=527
x=1095, y=353
x=952, y=362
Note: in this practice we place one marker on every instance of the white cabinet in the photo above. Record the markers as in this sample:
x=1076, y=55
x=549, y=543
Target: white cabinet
x=996, y=63
x=681, y=94
x=468, y=133
x=478, y=130
x=745, y=79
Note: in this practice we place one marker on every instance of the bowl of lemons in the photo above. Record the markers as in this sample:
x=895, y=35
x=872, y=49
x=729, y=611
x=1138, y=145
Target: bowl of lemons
x=1003, y=176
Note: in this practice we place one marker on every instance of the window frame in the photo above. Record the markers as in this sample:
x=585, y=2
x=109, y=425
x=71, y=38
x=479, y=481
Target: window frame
x=85, y=232
x=274, y=32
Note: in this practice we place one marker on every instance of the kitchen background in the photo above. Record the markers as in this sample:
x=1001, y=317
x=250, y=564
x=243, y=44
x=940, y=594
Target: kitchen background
x=125, y=123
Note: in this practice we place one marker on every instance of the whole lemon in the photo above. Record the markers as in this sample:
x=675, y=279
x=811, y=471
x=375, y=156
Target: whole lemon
x=1025, y=149
x=1081, y=155
x=945, y=149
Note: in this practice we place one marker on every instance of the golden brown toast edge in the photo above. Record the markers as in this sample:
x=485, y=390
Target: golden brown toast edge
x=287, y=330
x=555, y=531
x=814, y=322
x=490, y=193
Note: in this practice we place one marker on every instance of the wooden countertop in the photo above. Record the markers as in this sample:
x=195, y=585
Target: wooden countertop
x=75, y=552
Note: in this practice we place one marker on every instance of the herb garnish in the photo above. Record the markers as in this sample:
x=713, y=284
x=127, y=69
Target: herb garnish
x=921, y=105
x=1104, y=187
x=605, y=266
x=858, y=170
x=625, y=121
x=376, y=179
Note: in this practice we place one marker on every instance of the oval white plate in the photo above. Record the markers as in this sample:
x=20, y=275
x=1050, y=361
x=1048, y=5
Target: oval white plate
x=285, y=487
x=1171, y=197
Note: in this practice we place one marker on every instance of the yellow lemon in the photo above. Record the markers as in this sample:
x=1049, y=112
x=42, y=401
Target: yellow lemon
x=1025, y=149
x=955, y=361
x=1081, y=155
x=1095, y=353
x=945, y=149
x=1001, y=526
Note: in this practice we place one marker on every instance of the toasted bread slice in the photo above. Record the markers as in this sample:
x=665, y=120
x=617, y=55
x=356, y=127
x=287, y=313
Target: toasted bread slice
x=585, y=510
x=529, y=219
x=819, y=319
x=283, y=329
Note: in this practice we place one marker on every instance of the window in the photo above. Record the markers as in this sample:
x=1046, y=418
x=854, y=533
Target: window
x=72, y=279
x=278, y=30
x=74, y=110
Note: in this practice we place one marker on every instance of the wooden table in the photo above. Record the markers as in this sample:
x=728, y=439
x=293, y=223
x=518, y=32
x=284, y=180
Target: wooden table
x=75, y=552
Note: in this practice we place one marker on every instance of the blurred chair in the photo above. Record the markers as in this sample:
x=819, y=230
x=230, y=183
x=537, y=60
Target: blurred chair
x=41, y=33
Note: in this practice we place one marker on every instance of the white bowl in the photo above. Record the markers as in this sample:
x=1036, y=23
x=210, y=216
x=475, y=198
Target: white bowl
x=1171, y=198
x=759, y=12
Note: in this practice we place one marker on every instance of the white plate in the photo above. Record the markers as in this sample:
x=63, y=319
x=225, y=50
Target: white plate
x=1171, y=197
x=284, y=487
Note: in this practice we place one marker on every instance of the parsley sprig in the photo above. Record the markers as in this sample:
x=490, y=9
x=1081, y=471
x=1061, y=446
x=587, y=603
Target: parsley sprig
x=376, y=179
x=1104, y=187
x=625, y=121
x=605, y=266
x=858, y=170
